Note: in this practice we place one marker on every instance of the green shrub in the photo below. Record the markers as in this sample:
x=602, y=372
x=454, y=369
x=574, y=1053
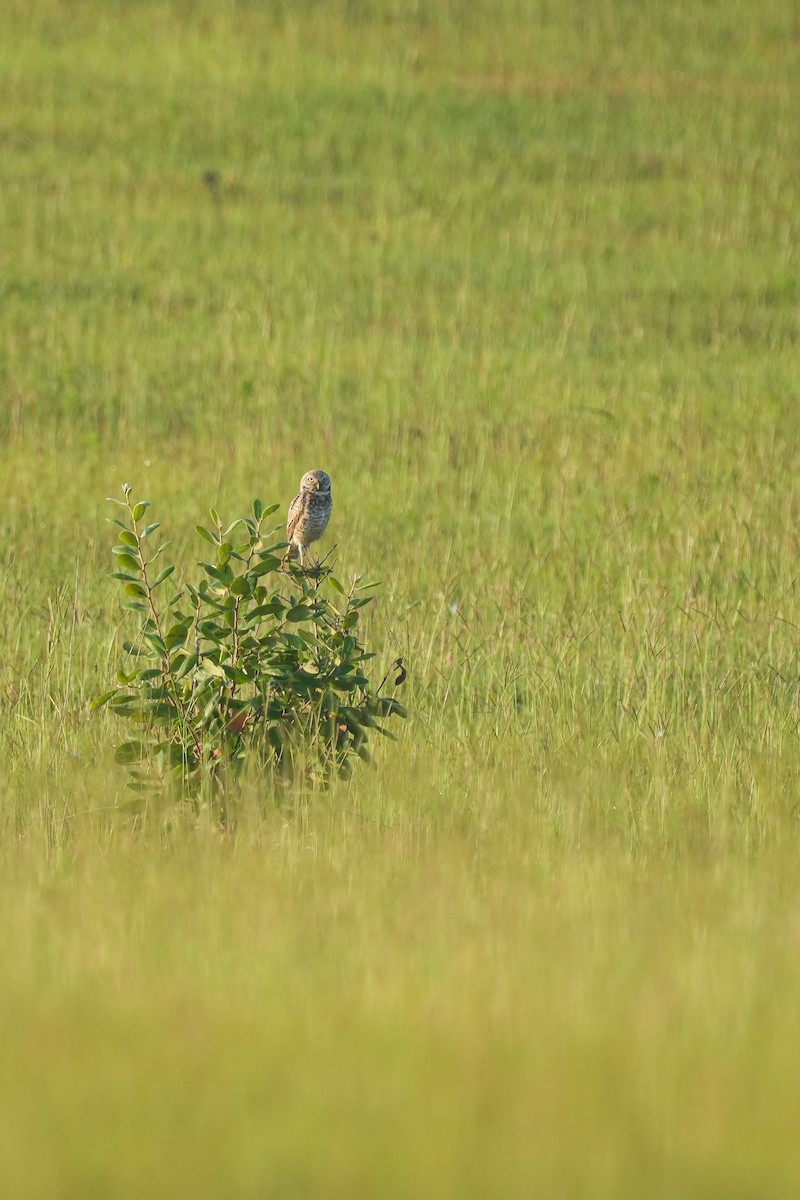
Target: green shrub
x=253, y=665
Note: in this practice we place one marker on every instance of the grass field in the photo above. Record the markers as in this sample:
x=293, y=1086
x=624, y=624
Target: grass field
x=523, y=277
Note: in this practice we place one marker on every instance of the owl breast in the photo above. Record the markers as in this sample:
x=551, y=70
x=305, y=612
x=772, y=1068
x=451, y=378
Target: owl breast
x=316, y=515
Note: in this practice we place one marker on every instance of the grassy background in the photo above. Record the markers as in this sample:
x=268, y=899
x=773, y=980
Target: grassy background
x=523, y=277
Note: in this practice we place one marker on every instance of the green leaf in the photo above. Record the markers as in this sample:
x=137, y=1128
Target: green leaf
x=156, y=641
x=121, y=575
x=188, y=664
x=275, y=608
x=176, y=636
x=223, y=575
x=212, y=631
x=140, y=509
x=265, y=567
x=154, y=691
x=235, y=675
x=301, y=612
x=307, y=638
x=148, y=529
x=337, y=587
x=210, y=708
x=162, y=575
x=206, y=534
x=116, y=521
x=176, y=755
x=297, y=643
x=99, y=701
x=135, y=589
x=241, y=586
x=130, y=752
x=136, y=651
x=212, y=512
x=126, y=560
x=258, y=509
x=128, y=539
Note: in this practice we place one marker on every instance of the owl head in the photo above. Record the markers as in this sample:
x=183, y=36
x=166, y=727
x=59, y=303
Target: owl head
x=315, y=481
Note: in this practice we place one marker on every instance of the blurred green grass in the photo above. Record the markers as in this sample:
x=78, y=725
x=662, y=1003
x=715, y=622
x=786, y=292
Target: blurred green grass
x=523, y=278
x=315, y=1015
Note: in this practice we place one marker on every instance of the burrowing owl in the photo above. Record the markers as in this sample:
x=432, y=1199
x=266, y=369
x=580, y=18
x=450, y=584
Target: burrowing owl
x=309, y=513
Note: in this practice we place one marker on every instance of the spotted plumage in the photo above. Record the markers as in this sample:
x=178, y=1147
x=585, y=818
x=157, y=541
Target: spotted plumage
x=309, y=513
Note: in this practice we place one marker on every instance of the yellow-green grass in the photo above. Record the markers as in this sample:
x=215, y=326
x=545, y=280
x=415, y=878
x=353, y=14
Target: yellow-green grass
x=523, y=278
x=352, y=1007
